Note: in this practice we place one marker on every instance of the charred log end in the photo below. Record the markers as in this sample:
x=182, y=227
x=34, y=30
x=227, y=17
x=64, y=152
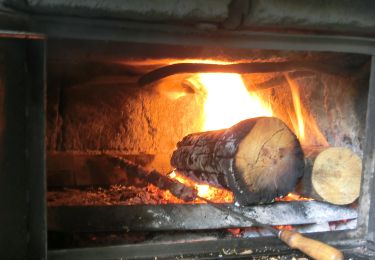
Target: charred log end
x=268, y=163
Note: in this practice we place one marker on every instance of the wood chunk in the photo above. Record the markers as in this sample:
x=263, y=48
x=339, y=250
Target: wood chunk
x=258, y=159
x=332, y=174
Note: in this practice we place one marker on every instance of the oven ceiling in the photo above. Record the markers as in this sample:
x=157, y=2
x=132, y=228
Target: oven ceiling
x=344, y=17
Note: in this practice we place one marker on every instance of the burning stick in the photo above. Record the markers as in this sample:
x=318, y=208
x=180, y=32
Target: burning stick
x=210, y=192
x=332, y=174
x=258, y=159
x=163, y=182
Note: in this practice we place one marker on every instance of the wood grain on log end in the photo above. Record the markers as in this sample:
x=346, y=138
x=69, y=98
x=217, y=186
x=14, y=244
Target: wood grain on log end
x=336, y=175
x=270, y=161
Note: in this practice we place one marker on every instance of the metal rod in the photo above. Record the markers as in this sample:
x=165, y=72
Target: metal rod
x=241, y=216
x=255, y=67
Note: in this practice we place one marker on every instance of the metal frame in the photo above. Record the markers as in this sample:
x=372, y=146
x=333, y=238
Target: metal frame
x=368, y=182
x=129, y=32
x=22, y=179
x=120, y=31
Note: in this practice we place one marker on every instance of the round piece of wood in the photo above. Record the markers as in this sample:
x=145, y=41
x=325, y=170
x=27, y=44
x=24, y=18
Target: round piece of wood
x=336, y=175
x=258, y=159
x=269, y=159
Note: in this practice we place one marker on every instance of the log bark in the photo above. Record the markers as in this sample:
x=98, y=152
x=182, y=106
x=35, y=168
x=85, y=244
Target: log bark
x=258, y=159
x=332, y=174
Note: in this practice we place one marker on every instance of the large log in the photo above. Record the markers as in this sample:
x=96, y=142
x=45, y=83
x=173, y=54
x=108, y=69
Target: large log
x=258, y=159
x=332, y=174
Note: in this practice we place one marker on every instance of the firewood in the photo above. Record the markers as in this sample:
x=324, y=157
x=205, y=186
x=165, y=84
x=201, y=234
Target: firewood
x=332, y=174
x=258, y=159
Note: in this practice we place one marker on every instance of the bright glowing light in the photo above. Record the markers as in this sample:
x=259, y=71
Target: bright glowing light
x=227, y=101
x=206, y=191
x=172, y=175
x=203, y=190
x=300, y=127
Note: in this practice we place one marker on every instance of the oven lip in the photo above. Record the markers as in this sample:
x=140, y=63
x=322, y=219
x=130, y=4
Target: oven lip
x=206, y=249
x=119, y=31
x=23, y=151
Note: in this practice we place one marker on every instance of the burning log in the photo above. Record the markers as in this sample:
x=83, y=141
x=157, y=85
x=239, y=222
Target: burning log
x=258, y=159
x=178, y=189
x=331, y=174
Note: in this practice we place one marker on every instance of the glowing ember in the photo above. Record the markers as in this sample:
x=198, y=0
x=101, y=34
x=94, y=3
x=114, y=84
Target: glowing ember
x=172, y=175
x=292, y=197
x=284, y=227
x=227, y=101
x=236, y=232
x=211, y=193
x=203, y=190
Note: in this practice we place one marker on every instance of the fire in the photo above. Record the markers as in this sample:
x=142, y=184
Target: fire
x=203, y=190
x=305, y=126
x=227, y=100
x=284, y=227
x=206, y=191
x=292, y=197
x=300, y=127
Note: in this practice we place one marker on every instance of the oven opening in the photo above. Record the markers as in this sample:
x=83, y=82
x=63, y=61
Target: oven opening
x=171, y=147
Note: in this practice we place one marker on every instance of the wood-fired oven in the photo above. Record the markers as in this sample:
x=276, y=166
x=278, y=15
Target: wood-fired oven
x=137, y=140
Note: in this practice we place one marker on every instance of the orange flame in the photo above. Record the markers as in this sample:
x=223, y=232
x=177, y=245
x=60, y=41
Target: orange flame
x=292, y=197
x=227, y=100
x=305, y=126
